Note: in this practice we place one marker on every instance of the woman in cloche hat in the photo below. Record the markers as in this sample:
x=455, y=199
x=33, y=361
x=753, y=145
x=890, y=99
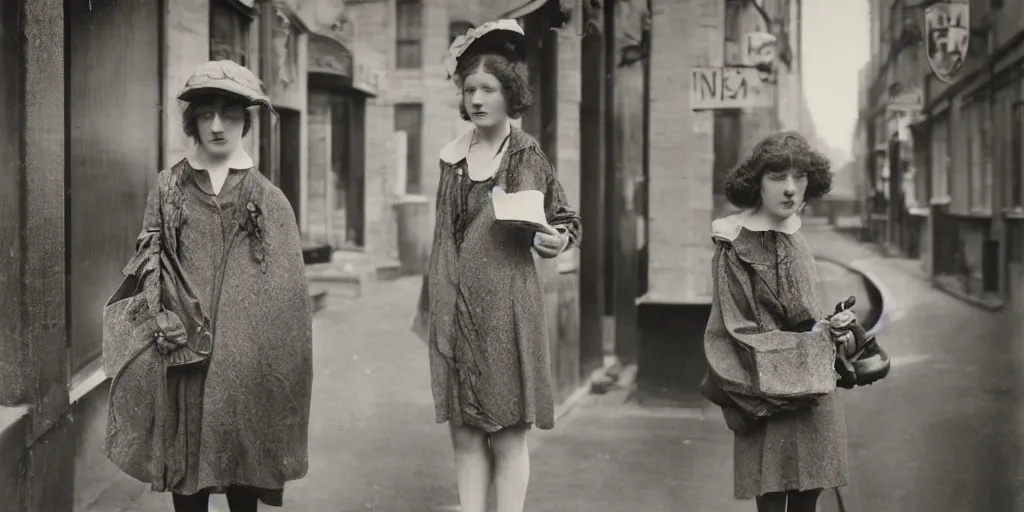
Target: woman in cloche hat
x=481, y=309
x=210, y=338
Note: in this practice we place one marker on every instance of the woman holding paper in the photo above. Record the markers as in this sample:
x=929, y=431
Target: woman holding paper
x=481, y=310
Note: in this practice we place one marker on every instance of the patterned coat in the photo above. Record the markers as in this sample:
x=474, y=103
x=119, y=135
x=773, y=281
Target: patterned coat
x=238, y=412
x=770, y=372
x=481, y=308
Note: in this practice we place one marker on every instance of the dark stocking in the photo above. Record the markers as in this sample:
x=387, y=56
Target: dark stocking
x=241, y=499
x=198, y=502
x=771, y=502
x=805, y=501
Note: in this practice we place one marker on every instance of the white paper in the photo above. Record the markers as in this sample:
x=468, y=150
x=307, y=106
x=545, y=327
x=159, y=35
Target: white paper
x=522, y=206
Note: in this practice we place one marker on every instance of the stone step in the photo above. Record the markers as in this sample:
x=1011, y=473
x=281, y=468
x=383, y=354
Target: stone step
x=352, y=275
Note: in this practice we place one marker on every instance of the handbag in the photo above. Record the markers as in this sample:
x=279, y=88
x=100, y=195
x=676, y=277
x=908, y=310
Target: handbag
x=869, y=363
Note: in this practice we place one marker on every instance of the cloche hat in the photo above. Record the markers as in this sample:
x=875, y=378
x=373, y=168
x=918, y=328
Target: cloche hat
x=226, y=76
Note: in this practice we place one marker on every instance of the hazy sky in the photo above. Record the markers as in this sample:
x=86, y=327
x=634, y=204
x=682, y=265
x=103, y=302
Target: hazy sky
x=836, y=44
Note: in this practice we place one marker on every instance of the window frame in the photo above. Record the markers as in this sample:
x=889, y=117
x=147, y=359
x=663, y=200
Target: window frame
x=403, y=38
x=414, y=184
x=244, y=18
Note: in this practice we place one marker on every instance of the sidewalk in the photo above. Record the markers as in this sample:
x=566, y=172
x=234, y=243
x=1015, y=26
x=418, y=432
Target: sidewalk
x=374, y=445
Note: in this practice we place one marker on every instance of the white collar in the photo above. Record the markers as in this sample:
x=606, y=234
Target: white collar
x=238, y=160
x=728, y=228
x=458, y=149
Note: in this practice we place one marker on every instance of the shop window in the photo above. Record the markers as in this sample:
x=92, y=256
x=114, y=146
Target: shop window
x=230, y=23
x=458, y=28
x=409, y=43
x=409, y=119
x=980, y=160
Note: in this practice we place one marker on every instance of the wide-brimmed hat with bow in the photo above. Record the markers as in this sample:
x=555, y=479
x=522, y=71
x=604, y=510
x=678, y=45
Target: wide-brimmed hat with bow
x=503, y=36
x=225, y=76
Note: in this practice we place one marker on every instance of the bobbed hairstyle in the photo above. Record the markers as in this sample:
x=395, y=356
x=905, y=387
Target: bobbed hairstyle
x=777, y=153
x=190, y=115
x=511, y=73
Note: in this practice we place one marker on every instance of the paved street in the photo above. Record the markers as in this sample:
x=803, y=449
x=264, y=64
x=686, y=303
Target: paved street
x=940, y=434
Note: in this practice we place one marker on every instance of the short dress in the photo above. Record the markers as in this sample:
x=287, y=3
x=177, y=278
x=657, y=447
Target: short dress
x=763, y=311
x=481, y=307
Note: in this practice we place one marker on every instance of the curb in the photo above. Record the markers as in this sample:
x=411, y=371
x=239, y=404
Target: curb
x=888, y=308
x=969, y=299
x=626, y=378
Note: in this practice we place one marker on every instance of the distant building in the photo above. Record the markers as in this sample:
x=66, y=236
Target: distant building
x=943, y=159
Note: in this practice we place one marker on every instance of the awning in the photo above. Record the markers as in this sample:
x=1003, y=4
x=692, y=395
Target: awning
x=330, y=63
x=532, y=5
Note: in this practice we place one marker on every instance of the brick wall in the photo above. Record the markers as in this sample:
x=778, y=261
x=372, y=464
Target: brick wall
x=686, y=33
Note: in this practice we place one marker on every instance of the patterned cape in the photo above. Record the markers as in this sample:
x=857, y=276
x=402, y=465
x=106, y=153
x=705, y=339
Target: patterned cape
x=763, y=356
x=231, y=406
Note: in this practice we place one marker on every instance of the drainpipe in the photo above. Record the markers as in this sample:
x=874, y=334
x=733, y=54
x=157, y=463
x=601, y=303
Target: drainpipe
x=266, y=33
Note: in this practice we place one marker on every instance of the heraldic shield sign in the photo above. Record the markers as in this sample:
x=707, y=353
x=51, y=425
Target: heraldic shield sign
x=947, y=26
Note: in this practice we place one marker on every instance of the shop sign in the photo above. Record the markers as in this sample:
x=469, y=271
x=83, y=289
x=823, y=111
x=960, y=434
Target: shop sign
x=728, y=87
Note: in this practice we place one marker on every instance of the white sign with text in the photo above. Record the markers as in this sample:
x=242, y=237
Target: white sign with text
x=728, y=87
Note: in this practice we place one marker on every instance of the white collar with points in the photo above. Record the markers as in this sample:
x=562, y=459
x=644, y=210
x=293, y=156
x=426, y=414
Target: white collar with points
x=457, y=150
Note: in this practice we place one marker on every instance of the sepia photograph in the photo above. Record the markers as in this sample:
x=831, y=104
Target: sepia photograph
x=512, y=255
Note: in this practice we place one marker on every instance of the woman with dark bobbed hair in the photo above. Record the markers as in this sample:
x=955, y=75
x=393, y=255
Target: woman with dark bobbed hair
x=770, y=354
x=481, y=310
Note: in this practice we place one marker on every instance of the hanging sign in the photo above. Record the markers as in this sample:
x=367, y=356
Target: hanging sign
x=947, y=28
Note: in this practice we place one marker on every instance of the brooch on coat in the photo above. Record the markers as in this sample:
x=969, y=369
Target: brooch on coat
x=254, y=227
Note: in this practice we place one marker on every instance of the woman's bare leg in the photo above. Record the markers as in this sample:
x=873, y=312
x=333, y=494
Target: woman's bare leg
x=804, y=501
x=472, y=466
x=511, y=468
x=771, y=502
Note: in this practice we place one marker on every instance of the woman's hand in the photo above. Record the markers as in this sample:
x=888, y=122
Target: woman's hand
x=549, y=245
x=170, y=334
x=845, y=341
x=839, y=329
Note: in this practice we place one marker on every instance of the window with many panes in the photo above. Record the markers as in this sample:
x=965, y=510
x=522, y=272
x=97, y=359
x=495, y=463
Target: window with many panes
x=409, y=41
x=409, y=119
x=229, y=31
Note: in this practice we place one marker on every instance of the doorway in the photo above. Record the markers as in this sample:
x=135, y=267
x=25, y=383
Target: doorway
x=347, y=170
